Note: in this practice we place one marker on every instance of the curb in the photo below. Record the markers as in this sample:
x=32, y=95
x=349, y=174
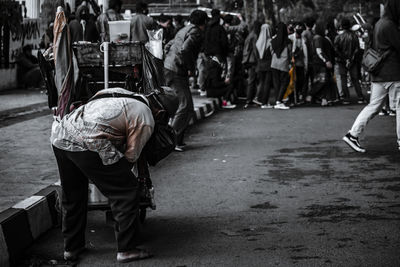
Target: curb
x=23, y=223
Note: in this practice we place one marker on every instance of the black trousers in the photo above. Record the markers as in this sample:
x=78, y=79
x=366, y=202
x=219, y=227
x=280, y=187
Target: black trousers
x=354, y=76
x=116, y=182
x=251, y=84
x=264, y=86
x=281, y=81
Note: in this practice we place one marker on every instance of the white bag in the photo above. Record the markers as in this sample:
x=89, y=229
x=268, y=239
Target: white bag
x=155, y=43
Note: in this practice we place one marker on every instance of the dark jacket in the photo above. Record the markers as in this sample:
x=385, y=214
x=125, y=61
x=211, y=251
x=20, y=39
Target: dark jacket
x=250, y=49
x=387, y=37
x=182, y=51
x=327, y=51
x=76, y=29
x=346, y=46
x=216, y=39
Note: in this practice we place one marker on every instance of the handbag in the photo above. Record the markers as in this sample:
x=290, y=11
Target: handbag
x=372, y=60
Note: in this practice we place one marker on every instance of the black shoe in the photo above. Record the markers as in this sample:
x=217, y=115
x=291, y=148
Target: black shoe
x=353, y=143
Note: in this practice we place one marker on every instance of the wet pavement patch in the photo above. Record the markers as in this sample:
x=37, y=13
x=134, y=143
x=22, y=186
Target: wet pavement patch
x=264, y=206
x=395, y=188
x=327, y=213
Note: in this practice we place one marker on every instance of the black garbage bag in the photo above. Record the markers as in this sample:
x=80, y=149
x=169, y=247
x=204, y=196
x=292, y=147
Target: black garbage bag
x=47, y=71
x=152, y=73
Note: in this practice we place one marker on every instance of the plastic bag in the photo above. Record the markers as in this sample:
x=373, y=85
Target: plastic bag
x=153, y=73
x=155, y=43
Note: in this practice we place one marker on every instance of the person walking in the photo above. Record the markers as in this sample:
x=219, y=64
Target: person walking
x=346, y=47
x=179, y=64
x=386, y=81
x=281, y=48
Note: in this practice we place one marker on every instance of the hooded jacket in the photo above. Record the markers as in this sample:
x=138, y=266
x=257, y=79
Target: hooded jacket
x=216, y=39
x=387, y=37
x=182, y=51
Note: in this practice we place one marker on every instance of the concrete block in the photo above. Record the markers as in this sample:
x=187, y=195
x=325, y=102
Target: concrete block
x=38, y=213
x=16, y=231
x=4, y=257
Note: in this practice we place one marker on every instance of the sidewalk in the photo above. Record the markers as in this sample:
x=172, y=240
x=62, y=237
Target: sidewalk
x=27, y=174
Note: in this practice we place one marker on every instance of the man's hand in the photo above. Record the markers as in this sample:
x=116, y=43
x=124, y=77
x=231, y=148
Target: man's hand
x=189, y=73
x=227, y=81
x=329, y=65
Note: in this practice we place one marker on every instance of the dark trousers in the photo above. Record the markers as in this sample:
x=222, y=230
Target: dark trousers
x=323, y=85
x=116, y=182
x=180, y=85
x=251, y=84
x=281, y=81
x=308, y=80
x=264, y=86
x=224, y=92
x=354, y=76
x=300, y=82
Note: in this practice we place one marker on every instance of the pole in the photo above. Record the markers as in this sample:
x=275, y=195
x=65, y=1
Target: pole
x=104, y=47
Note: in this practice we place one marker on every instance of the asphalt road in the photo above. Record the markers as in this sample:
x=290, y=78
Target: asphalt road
x=255, y=188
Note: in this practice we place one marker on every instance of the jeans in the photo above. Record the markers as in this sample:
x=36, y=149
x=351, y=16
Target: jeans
x=379, y=91
x=354, y=75
x=180, y=85
x=116, y=182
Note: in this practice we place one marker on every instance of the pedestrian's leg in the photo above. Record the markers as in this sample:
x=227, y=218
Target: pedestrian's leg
x=260, y=86
x=338, y=81
x=267, y=85
x=299, y=82
x=284, y=82
x=74, y=185
x=251, y=84
x=395, y=95
x=378, y=94
x=276, y=83
x=202, y=70
x=343, y=81
x=120, y=186
x=185, y=110
x=355, y=76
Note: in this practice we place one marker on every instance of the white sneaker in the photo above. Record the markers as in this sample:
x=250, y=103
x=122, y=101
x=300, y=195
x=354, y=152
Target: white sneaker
x=266, y=106
x=324, y=102
x=228, y=105
x=255, y=100
x=281, y=106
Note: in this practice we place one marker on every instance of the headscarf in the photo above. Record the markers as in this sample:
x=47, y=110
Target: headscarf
x=281, y=39
x=263, y=38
